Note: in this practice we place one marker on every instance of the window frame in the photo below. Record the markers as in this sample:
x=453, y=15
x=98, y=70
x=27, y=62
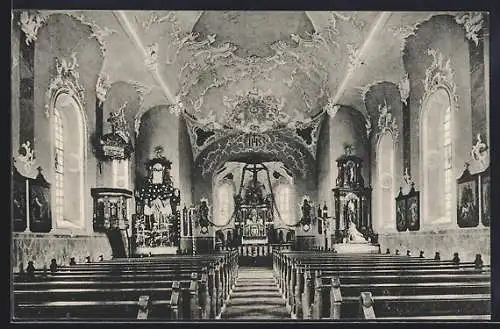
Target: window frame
x=78, y=118
x=447, y=167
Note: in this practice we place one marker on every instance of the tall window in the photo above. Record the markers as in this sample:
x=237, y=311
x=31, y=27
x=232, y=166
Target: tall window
x=68, y=156
x=225, y=203
x=385, y=171
x=284, y=202
x=437, y=158
x=58, y=166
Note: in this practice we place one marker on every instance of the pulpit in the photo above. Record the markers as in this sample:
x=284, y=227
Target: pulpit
x=110, y=209
x=352, y=202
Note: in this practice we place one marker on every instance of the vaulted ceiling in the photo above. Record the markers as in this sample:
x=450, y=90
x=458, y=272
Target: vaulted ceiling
x=253, y=71
x=208, y=62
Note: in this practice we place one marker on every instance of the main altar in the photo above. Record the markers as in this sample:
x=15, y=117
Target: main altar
x=253, y=212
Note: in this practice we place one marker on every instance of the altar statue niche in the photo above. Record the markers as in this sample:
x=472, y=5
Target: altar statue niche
x=156, y=227
x=352, y=202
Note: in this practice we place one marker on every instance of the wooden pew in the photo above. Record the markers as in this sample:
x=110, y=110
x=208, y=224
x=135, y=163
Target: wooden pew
x=440, y=278
x=125, y=305
x=428, y=307
x=97, y=276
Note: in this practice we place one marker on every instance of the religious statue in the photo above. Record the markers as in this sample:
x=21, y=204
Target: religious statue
x=203, y=213
x=175, y=200
x=306, y=212
x=119, y=123
x=479, y=151
x=353, y=234
x=467, y=207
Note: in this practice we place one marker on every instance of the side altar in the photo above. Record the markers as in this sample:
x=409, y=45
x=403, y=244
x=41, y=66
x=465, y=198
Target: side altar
x=156, y=225
x=353, y=230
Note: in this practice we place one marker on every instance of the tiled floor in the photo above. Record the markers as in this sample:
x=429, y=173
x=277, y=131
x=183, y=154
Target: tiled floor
x=255, y=297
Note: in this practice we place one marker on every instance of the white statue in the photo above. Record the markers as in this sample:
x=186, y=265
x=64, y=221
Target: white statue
x=480, y=151
x=354, y=235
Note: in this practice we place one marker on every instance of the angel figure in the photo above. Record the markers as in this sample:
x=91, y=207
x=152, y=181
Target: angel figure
x=479, y=151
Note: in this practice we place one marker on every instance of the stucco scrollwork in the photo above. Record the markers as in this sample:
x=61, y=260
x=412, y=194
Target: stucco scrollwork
x=404, y=88
x=67, y=78
x=368, y=125
x=331, y=108
x=255, y=110
x=386, y=122
x=30, y=23
x=473, y=23
x=438, y=75
x=480, y=152
x=151, y=56
x=26, y=157
x=353, y=57
x=102, y=87
x=269, y=143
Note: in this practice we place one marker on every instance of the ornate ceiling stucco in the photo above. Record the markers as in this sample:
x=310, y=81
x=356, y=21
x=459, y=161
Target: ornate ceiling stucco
x=218, y=65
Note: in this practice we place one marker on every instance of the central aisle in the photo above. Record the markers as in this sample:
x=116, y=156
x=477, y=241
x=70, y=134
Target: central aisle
x=255, y=297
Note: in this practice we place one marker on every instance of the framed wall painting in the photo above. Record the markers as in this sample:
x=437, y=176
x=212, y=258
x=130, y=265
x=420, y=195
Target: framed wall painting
x=19, y=201
x=467, y=200
x=413, y=210
x=40, y=214
x=401, y=223
x=486, y=197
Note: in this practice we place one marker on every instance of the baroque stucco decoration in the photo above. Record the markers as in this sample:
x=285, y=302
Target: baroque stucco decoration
x=480, y=153
x=219, y=68
x=215, y=70
x=102, y=87
x=67, y=79
x=439, y=74
x=271, y=144
x=386, y=122
x=404, y=88
x=151, y=56
x=26, y=156
x=30, y=23
x=255, y=111
x=97, y=32
x=472, y=23
x=204, y=132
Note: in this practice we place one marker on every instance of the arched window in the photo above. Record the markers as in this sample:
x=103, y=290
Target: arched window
x=385, y=181
x=69, y=154
x=58, y=167
x=437, y=158
x=284, y=195
x=225, y=204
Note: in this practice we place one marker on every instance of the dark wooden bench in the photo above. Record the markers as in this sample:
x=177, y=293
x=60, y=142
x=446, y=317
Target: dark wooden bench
x=465, y=306
x=314, y=286
x=118, y=285
x=109, y=304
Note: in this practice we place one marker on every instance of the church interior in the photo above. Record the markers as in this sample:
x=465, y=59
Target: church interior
x=235, y=165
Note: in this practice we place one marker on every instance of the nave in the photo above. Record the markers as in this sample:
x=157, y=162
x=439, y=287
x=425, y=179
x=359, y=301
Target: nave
x=250, y=165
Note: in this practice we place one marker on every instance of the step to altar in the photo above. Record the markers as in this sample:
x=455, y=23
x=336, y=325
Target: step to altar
x=356, y=248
